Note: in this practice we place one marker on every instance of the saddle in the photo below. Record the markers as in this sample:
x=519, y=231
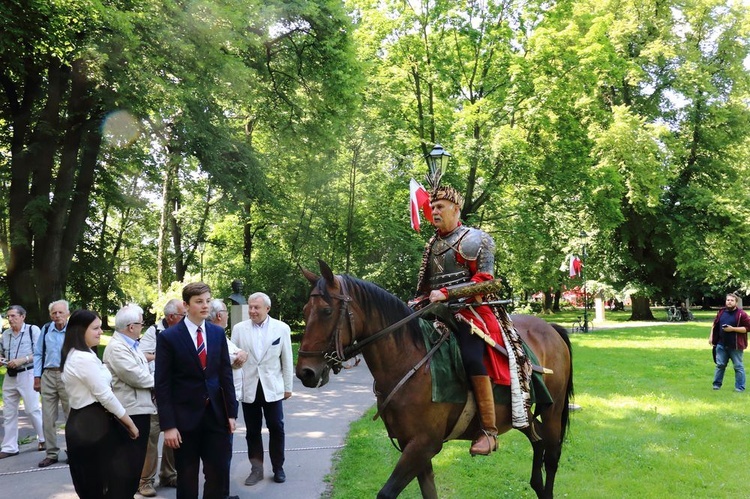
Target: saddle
x=449, y=382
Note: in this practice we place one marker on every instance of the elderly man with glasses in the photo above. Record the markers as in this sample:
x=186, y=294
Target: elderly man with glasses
x=132, y=384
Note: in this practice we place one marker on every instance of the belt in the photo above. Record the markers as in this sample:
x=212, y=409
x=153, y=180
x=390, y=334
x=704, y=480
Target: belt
x=24, y=369
x=52, y=369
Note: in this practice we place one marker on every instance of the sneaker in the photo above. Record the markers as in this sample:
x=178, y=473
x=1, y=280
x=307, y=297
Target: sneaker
x=47, y=461
x=717, y=387
x=255, y=476
x=147, y=490
x=738, y=390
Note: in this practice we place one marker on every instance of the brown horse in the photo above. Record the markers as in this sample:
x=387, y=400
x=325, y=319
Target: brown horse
x=342, y=312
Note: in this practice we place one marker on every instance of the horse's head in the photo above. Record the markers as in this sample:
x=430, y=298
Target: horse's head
x=328, y=328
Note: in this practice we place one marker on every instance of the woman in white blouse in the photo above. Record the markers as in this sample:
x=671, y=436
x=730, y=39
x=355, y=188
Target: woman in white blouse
x=94, y=409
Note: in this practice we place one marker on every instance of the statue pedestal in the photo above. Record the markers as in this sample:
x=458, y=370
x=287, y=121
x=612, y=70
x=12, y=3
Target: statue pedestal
x=599, y=308
x=237, y=314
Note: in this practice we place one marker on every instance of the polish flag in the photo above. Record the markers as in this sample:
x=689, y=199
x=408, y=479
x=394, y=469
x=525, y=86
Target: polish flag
x=419, y=198
x=575, y=266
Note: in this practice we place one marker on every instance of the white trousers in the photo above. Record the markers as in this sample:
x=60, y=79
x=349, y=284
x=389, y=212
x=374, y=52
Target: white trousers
x=15, y=389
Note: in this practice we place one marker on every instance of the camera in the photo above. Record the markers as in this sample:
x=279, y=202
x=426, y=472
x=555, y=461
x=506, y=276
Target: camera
x=12, y=372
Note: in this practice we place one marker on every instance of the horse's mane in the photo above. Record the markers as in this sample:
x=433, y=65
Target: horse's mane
x=375, y=300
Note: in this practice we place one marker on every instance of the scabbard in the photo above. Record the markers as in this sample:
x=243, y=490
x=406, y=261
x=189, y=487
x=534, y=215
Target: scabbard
x=487, y=339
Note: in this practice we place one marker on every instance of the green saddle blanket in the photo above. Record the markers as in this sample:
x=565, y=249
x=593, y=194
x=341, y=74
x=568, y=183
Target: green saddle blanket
x=449, y=383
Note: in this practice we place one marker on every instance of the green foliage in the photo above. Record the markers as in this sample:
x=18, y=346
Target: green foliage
x=293, y=128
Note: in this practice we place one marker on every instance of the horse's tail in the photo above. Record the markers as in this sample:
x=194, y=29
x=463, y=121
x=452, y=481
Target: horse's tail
x=565, y=420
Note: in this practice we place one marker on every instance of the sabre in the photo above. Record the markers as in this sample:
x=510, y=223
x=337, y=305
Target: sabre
x=487, y=339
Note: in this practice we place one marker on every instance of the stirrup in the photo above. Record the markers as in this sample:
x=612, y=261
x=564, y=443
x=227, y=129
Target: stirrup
x=477, y=448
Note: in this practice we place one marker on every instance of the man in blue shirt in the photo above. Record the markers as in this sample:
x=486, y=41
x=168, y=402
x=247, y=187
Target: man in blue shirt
x=47, y=378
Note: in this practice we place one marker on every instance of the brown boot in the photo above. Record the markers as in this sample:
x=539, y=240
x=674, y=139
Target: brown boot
x=486, y=441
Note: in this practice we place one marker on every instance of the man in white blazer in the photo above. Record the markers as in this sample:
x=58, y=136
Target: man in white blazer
x=266, y=383
x=132, y=384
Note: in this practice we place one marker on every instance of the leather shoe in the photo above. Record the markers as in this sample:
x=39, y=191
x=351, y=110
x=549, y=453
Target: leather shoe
x=41, y=446
x=3, y=455
x=279, y=476
x=47, y=461
x=255, y=476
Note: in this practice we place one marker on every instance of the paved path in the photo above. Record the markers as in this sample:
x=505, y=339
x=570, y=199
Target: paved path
x=316, y=421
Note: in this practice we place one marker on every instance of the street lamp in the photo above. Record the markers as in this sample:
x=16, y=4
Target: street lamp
x=583, y=237
x=438, y=159
x=201, y=249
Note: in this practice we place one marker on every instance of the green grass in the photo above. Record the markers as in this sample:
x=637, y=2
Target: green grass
x=650, y=427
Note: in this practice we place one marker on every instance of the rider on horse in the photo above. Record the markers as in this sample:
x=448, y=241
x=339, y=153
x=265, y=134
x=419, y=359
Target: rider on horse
x=458, y=255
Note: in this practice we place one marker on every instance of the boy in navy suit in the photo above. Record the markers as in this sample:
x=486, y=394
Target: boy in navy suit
x=195, y=396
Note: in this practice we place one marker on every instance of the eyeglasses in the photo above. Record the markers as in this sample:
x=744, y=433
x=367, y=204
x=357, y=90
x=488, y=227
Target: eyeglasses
x=137, y=324
x=179, y=315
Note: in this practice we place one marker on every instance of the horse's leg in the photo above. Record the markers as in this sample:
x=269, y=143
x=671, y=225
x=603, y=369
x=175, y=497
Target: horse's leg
x=415, y=460
x=547, y=453
x=537, y=479
x=427, y=482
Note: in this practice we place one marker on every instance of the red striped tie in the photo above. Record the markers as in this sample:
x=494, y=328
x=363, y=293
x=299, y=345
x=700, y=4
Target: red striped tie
x=201, y=348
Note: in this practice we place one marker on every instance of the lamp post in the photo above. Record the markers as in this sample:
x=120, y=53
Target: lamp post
x=438, y=160
x=583, y=236
x=201, y=249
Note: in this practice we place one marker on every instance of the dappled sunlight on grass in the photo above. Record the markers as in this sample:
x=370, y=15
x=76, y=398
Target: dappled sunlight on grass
x=619, y=406
x=680, y=343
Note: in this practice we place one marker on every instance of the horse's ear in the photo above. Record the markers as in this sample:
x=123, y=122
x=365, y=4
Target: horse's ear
x=309, y=275
x=327, y=273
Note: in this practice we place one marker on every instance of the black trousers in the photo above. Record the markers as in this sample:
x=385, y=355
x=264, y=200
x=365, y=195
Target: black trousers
x=472, y=351
x=210, y=443
x=90, y=436
x=274, y=414
x=128, y=456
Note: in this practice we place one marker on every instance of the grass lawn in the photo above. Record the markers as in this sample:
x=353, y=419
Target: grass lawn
x=650, y=427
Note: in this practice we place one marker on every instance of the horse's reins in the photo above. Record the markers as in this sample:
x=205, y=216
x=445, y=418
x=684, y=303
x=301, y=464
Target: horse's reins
x=337, y=354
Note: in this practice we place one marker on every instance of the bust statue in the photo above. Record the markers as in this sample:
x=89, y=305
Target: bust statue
x=237, y=298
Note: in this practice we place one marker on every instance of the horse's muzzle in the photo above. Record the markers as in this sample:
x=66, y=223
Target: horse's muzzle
x=313, y=378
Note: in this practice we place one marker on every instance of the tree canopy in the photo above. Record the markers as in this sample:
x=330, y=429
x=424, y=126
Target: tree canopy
x=146, y=142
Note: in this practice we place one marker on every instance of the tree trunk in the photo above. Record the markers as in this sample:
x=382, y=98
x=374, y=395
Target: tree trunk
x=547, y=304
x=350, y=207
x=556, y=304
x=641, y=310
x=170, y=173
x=46, y=221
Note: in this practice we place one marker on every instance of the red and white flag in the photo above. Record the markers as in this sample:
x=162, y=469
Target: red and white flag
x=575, y=266
x=418, y=198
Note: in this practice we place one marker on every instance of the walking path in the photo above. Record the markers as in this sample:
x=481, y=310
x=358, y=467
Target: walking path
x=316, y=423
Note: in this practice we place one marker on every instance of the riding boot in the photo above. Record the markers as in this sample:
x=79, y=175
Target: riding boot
x=486, y=441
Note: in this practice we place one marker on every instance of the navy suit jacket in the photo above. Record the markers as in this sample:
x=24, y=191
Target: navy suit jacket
x=182, y=386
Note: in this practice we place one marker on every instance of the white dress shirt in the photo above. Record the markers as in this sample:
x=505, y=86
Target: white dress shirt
x=259, y=333
x=193, y=330
x=87, y=380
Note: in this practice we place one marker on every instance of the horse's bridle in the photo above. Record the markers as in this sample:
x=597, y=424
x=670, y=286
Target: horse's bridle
x=336, y=353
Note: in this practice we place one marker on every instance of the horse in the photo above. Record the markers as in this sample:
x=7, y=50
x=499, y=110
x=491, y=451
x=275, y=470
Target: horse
x=343, y=312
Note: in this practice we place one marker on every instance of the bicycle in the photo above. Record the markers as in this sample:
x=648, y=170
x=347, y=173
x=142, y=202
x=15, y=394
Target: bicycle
x=673, y=314
x=580, y=326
